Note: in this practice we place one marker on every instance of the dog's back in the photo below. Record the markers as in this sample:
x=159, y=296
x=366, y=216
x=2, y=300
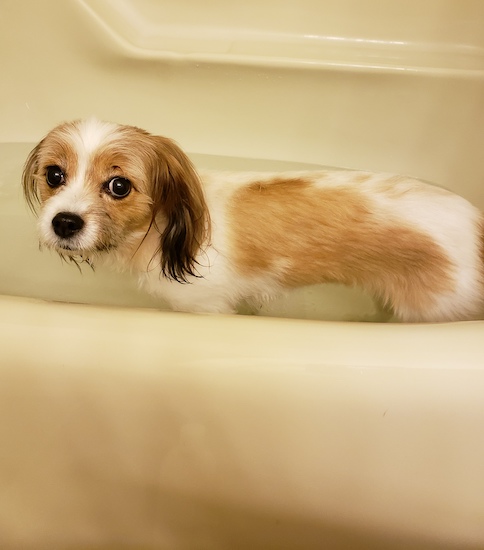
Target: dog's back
x=415, y=247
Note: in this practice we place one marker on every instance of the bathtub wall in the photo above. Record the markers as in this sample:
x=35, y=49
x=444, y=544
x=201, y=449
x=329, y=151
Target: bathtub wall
x=373, y=85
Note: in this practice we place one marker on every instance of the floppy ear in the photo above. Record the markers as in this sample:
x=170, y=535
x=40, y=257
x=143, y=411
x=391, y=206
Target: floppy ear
x=29, y=183
x=178, y=195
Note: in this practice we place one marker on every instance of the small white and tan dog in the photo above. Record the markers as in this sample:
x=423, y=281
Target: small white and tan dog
x=204, y=241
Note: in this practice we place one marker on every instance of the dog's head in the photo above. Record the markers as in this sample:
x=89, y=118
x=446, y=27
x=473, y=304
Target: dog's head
x=104, y=186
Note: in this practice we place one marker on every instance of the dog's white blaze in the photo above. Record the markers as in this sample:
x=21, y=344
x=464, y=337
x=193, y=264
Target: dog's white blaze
x=90, y=134
x=74, y=197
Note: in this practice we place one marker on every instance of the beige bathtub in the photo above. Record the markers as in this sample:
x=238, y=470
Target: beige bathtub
x=123, y=426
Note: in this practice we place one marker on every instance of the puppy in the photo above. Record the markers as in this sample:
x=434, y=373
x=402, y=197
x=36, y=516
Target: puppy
x=206, y=240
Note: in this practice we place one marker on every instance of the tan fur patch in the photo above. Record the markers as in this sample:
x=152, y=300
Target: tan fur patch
x=54, y=151
x=132, y=212
x=313, y=235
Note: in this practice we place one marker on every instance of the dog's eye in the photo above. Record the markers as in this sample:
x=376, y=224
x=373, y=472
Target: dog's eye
x=118, y=187
x=54, y=176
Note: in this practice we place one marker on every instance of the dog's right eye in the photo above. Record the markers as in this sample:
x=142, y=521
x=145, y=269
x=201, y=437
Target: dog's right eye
x=54, y=176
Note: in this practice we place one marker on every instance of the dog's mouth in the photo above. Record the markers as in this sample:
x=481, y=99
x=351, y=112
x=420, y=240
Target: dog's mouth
x=76, y=256
x=103, y=247
x=72, y=250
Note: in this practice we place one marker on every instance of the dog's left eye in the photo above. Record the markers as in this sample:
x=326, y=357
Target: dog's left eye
x=118, y=187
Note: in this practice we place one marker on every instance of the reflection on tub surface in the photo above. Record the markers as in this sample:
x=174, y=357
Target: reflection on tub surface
x=27, y=271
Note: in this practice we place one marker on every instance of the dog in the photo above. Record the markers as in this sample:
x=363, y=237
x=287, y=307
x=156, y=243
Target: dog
x=205, y=240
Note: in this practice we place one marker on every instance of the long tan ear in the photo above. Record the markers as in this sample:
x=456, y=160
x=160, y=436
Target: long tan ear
x=178, y=195
x=29, y=183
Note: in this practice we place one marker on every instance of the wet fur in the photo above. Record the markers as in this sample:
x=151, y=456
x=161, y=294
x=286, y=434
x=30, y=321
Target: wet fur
x=416, y=248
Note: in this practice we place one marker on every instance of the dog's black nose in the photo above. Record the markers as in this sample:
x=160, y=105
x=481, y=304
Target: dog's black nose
x=65, y=224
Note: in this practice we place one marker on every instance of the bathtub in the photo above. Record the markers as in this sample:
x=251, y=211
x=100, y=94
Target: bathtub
x=310, y=424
